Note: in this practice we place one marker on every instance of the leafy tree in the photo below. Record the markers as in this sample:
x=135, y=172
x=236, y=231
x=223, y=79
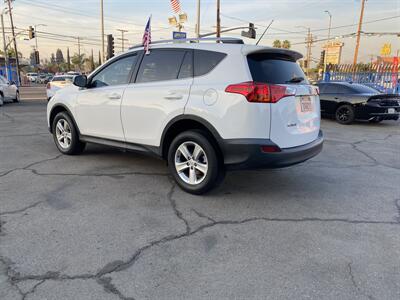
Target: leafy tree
x=59, y=57
x=277, y=44
x=53, y=59
x=78, y=60
x=68, y=61
x=99, y=58
x=286, y=44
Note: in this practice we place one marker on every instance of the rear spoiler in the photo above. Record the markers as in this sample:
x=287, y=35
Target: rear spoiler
x=257, y=49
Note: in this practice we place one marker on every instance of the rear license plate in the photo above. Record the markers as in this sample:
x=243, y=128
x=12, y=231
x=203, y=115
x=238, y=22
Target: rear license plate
x=391, y=111
x=306, y=104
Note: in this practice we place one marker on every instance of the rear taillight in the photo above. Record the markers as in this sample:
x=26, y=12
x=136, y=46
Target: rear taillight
x=260, y=92
x=48, y=86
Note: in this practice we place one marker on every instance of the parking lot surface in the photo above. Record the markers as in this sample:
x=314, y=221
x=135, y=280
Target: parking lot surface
x=112, y=225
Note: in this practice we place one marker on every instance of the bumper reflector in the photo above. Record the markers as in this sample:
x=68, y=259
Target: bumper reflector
x=270, y=149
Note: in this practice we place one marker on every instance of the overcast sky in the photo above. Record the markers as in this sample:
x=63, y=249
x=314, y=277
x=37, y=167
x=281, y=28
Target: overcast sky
x=81, y=18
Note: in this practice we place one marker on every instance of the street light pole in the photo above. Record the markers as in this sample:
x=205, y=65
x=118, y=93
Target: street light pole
x=122, y=38
x=329, y=39
x=102, y=31
x=36, y=38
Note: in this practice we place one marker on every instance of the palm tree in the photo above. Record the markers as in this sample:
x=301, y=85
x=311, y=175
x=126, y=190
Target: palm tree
x=286, y=44
x=277, y=44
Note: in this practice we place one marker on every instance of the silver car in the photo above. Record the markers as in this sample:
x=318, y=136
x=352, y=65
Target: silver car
x=8, y=91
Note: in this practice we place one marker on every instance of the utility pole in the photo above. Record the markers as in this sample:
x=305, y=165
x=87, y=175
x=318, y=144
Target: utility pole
x=4, y=46
x=122, y=38
x=359, y=32
x=198, y=19
x=79, y=52
x=329, y=40
x=218, y=18
x=102, y=31
x=15, y=41
x=309, y=44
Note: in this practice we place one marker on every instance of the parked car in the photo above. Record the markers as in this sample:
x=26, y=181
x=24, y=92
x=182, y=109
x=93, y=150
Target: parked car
x=377, y=87
x=58, y=82
x=203, y=107
x=351, y=101
x=9, y=91
x=32, y=77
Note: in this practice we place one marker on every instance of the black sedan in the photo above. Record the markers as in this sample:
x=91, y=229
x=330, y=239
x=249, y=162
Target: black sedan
x=351, y=101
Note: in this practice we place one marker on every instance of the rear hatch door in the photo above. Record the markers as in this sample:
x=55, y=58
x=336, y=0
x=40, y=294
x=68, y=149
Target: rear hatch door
x=295, y=119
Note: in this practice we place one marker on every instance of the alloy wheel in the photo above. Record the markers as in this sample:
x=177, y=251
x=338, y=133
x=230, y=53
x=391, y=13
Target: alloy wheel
x=191, y=163
x=63, y=134
x=343, y=114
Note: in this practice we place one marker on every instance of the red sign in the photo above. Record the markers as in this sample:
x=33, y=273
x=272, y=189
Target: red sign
x=395, y=71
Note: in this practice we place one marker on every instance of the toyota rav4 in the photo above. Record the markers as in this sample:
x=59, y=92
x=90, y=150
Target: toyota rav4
x=203, y=107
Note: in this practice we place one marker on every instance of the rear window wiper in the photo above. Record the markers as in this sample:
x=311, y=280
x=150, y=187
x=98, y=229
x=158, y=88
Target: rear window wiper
x=295, y=80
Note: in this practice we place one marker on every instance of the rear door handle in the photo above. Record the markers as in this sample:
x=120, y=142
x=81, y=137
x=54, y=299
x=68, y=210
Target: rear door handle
x=173, y=96
x=114, y=96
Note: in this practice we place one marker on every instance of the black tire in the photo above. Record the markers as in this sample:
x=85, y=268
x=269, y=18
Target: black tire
x=17, y=99
x=1, y=100
x=345, y=114
x=75, y=146
x=215, y=171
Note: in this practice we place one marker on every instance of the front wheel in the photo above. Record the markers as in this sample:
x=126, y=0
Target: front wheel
x=345, y=114
x=194, y=163
x=66, y=136
x=17, y=97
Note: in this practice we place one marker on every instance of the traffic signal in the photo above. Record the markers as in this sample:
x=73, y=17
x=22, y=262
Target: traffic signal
x=110, y=46
x=32, y=32
x=251, y=34
x=37, y=58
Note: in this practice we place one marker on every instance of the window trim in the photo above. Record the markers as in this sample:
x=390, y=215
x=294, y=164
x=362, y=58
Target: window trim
x=186, y=50
x=110, y=62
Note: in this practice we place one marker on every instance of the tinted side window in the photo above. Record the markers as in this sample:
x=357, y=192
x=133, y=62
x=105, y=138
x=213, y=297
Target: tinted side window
x=187, y=66
x=160, y=65
x=206, y=61
x=330, y=89
x=115, y=74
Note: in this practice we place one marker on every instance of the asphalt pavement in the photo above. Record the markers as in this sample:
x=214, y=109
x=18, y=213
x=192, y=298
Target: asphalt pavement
x=113, y=225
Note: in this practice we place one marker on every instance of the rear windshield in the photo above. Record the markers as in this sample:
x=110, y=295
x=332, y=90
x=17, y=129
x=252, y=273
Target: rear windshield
x=362, y=89
x=275, y=69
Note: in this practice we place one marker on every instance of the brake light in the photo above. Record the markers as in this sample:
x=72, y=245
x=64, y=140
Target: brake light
x=48, y=86
x=260, y=92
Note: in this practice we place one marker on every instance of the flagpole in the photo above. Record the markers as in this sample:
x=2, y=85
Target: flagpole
x=198, y=19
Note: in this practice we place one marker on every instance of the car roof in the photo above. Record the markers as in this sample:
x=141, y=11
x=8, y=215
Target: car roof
x=227, y=48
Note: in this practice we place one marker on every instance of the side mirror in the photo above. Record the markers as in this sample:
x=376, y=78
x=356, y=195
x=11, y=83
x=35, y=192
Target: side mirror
x=80, y=80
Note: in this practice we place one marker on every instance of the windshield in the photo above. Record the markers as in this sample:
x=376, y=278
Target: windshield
x=275, y=69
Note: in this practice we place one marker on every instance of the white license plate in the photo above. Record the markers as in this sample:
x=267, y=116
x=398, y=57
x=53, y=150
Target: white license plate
x=306, y=104
x=391, y=111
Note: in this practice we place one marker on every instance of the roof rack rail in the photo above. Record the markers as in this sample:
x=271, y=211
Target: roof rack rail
x=224, y=40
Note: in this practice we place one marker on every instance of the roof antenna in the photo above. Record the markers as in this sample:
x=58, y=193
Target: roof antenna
x=265, y=31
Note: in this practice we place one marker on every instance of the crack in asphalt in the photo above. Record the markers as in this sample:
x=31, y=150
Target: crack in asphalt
x=353, y=281
x=22, y=209
x=27, y=167
x=201, y=215
x=33, y=290
x=177, y=212
x=397, y=204
x=111, y=288
x=22, y=135
x=113, y=175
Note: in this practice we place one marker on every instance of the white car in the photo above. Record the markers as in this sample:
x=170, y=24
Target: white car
x=204, y=107
x=8, y=91
x=32, y=77
x=58, y=82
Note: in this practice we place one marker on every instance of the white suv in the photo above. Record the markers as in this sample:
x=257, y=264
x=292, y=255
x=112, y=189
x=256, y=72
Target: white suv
x=203, y=107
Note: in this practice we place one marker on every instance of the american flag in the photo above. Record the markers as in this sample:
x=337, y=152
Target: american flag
x=176, y=6
x=147, y=37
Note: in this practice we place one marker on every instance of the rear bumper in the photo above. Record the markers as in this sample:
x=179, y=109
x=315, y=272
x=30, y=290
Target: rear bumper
x=374, y=111
x=246, y=154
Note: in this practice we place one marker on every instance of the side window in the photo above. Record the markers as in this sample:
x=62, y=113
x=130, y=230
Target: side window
x=187, y=66
x=2, y=80
x=115, y=74
x=206, y=61
x=330, y=89
x=160, y=65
